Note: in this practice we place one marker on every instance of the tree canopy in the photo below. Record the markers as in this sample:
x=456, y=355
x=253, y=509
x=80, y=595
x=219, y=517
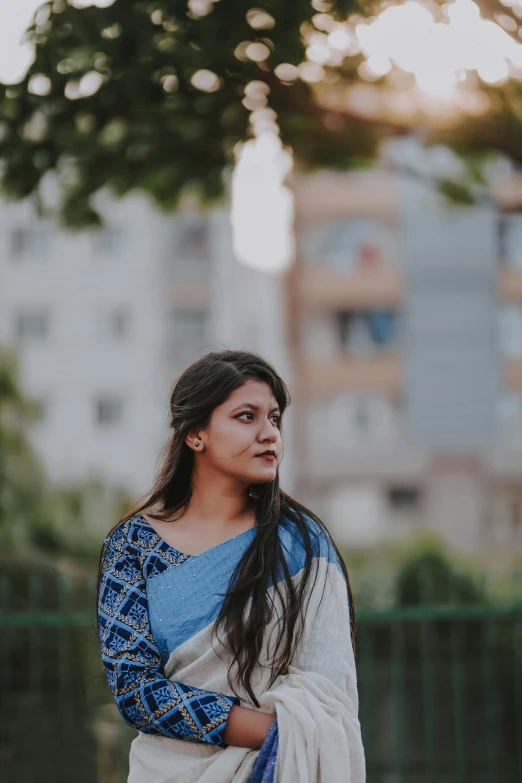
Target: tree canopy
x=155, y=95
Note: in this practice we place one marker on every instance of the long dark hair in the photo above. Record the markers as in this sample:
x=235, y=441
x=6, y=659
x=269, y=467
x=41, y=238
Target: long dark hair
x=247, y=606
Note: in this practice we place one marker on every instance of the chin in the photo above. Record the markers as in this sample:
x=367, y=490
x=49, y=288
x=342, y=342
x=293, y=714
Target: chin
x=264, y=478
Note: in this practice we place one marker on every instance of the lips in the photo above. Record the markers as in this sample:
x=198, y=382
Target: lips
x=267, y=454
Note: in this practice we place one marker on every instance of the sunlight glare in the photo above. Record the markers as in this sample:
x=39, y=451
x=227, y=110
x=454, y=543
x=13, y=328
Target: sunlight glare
x=262, y=206
x=437, y=45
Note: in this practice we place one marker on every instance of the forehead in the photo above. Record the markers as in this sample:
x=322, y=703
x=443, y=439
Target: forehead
x=254, y=392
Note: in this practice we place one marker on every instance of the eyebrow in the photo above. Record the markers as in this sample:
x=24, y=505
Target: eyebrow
x=253, y=407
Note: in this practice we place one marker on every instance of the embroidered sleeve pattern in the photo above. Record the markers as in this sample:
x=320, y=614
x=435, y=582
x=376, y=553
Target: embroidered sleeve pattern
x=146, y=699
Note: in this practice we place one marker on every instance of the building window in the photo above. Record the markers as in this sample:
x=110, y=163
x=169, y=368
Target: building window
x=29, y=245
x=511, y=240
x=32, y=326
x=193, y=240
x=190, y=260
x=510, y=330
x=516, y=512
x=510, y=416
x=367, y=332
x=189, y=332
x=357, y=418
x=347, y=245
x=109, y=242
x=114, y=324
x=403, y=497
x=362, y=415
x=108, y=410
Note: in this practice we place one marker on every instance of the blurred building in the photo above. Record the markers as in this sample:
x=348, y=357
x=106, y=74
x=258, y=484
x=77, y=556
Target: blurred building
x=398, y=330
x=103, y=321
x=405, y=321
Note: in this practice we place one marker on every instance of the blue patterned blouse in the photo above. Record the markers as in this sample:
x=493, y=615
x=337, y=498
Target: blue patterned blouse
x=146, y=699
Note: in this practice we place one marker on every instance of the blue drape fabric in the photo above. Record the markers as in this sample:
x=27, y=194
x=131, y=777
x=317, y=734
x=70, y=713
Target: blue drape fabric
x=264, y=767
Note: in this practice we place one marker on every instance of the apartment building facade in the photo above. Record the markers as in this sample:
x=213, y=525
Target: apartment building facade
x=398, y=329
x=104, y=321
x=405, y=324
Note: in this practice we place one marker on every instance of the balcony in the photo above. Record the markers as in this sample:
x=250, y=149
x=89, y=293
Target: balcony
x=328, y=377
x=359, y=290
x=189, y=294
x=328, y=195
x=365, y=439
x=513, y=374
x=510, y=284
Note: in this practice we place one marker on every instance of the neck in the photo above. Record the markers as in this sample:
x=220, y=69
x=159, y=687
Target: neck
x=218, y=499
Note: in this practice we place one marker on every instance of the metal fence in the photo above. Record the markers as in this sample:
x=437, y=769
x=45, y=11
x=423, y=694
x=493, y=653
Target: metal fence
x=440, y=691
x=441, y=694
x=47, y=666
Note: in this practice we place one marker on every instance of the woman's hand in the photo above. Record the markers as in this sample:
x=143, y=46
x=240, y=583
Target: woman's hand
x=247, y=728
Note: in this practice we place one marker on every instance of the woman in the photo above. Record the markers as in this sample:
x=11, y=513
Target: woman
x=225, y=613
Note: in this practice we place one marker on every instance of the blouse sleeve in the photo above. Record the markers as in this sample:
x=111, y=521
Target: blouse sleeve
x=147, y=700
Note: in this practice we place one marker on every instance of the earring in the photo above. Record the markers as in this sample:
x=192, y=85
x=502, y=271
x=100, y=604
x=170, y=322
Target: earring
x=196, y=443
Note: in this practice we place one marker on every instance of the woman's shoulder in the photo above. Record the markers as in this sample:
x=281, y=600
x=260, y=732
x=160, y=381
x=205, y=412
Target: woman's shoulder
x=133, y=531
x=299, y=532
x=133, y=541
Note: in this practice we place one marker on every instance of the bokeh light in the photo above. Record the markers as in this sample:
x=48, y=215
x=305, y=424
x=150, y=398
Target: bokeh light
x=262, y=210
x=450, y=51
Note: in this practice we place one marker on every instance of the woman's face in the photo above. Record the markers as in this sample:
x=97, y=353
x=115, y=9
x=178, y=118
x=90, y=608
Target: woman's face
x=240, y=429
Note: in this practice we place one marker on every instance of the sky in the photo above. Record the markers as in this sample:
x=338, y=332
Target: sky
x=15, y=17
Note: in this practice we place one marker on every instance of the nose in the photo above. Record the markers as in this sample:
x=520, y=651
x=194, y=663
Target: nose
x=270, y=432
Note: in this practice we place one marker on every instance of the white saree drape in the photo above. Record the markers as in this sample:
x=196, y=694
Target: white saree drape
x=316, y=702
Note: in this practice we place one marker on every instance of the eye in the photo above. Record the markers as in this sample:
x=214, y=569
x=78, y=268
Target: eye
x=275, y=416
x=245, y=413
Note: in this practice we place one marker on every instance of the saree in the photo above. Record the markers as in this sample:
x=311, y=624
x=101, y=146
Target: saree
x=169, y=673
